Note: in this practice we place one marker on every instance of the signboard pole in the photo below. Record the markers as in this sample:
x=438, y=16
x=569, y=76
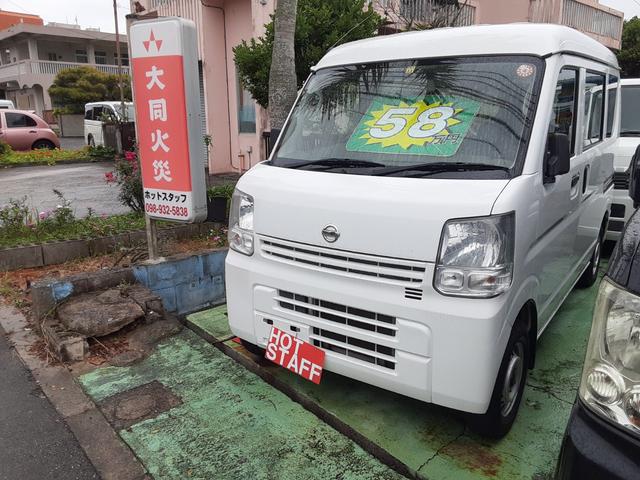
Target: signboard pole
x=152, y=237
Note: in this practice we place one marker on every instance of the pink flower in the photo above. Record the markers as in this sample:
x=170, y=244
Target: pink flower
x=109, y=177
x=130, y=156
x=43, y=215
x=216, y=238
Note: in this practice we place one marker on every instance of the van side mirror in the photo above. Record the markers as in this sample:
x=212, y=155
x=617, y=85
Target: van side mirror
x=557, y=157
x=634, y=178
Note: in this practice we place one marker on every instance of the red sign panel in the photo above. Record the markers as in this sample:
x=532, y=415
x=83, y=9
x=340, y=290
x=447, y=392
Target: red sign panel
x=296, y=355
x=168, y=130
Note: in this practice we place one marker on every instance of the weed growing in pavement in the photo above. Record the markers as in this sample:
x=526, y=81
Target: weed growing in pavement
x=217, y=237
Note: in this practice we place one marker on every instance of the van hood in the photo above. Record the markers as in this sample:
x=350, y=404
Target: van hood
x=387, y=216
x=623, y=150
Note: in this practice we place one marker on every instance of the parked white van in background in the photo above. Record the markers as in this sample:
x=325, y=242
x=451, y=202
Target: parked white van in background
x=7, y=105
x=432, y=200
x=623, y=149
x=95, y=115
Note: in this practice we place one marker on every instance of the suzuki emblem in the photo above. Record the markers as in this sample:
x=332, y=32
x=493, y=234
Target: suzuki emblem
x=330, y=233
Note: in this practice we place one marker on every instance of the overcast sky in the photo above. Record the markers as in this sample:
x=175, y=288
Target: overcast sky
x=99, y=13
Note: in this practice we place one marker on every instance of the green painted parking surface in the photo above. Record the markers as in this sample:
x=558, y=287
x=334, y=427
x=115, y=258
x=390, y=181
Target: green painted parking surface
x=434, y=441
x=230, y=425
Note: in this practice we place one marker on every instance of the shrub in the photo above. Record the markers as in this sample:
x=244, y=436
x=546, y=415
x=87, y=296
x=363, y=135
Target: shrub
x=128, y=177
x=14, y=216
x=224, y=191
x=101, y=151
x=5, y=148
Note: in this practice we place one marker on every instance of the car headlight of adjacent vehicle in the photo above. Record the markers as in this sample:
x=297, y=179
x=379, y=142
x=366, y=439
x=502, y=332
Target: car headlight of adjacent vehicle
x=241, y=223
x=476, y=256
x=610, y=383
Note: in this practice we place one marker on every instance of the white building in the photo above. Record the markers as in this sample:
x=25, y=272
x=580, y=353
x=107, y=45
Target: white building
x=32, y=55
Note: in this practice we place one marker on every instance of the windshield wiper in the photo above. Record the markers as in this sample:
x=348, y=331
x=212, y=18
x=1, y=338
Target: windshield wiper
x=441, y=167
x=629, y=133
x=336, y=163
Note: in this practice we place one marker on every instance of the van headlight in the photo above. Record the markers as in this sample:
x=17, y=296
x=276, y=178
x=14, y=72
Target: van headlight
x=476, y=256
x=610, y=383
x=241, y=223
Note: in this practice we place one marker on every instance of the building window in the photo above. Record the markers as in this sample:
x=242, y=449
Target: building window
x=53, y=57
x=101, y=57
x=246, y=110
x=81, y=56
x=125, y=59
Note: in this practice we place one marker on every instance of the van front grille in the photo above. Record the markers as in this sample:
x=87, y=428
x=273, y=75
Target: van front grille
x=621, y=180
x=358, y=318
x=340, y=262
x=355, y=348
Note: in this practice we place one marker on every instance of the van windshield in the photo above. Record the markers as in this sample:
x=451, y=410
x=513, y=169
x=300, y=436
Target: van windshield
x=415, y=118
x=630, y=120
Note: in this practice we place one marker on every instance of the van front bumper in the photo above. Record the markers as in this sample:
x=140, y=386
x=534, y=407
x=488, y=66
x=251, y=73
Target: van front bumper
x=621, y=211
x=594, y=448
x=443, y=350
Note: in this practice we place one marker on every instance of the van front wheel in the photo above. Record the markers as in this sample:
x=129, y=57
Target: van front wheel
x=509, y=387
x=590, y=275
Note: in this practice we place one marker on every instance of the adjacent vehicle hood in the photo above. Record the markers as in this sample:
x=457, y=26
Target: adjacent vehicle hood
x=388, y=216
x=624, y=266
x=623, y=149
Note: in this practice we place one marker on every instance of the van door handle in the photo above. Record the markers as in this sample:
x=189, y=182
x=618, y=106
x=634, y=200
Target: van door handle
x=574, y=180
x=585, y=178
x=33, y=131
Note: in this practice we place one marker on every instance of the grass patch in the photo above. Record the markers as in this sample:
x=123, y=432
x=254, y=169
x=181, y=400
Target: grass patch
x=89, y=227
x=12, y=158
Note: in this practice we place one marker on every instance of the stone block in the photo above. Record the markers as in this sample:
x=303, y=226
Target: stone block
x=42, y=299
x=60, y=252
x=21, y=257
x=137, y=237
x=149, y=301
x=102, y=245
x=103, y=279
x=65, y=345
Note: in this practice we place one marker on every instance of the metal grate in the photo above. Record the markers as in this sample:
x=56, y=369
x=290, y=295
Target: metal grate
x=355, y=265
x=621, y=180
x=337, y=313
x=355, y=348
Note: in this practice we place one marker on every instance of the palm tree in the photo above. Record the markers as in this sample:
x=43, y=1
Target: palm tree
x=282, y=76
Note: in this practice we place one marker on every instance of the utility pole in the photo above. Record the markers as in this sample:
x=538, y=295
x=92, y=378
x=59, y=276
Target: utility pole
x=122, y=108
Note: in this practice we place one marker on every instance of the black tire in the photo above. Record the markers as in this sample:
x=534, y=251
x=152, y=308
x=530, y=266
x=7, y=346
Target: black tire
x=509, y=387
x=41, y=144
x=590, y=275
x=255, y=349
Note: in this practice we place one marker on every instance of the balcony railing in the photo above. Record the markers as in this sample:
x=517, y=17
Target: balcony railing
x=43, y=67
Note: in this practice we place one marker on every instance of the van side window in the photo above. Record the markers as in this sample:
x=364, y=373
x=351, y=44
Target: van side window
x=88, y=115
x=612, y=93
x=563, y=117
x=593, y=108
x=97, y=113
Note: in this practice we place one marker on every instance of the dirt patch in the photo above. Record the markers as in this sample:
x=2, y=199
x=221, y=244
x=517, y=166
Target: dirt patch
x=474, y=457
x=141, y=403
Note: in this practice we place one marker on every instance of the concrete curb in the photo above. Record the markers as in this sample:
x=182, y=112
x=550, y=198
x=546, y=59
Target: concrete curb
x=52, y=253
x=308, y=404
x=111, y=457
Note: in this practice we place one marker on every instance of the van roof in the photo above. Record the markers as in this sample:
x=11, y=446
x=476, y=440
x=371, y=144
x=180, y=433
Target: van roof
x=110, y=103
x=539, y=39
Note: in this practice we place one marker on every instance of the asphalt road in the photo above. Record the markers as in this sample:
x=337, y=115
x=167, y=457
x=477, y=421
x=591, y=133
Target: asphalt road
x=35, y=443
x=82, y=184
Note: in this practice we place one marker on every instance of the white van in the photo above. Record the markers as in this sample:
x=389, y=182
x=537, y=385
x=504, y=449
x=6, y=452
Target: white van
x=95, y=115
x=623, y=149
x=7, y=105
x=432, y=200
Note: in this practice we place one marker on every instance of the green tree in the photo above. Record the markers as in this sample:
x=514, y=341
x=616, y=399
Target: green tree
x=73, y=87
x=282, y=75
x=320, y=24
x=629, y=53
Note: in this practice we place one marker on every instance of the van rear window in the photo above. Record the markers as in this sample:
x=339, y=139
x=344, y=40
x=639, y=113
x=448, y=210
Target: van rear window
x=462, y=111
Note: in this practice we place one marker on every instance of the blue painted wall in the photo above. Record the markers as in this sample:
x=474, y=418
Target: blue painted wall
x=186, y=284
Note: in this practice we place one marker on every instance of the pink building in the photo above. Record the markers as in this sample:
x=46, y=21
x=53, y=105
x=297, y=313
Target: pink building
x=236, y=123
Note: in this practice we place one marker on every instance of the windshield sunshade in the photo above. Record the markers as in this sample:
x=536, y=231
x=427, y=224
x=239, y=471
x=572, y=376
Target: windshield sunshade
x=398, y=114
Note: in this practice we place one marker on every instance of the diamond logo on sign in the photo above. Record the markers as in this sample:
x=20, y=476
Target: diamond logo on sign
x=432, y=126
x=152, y=39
